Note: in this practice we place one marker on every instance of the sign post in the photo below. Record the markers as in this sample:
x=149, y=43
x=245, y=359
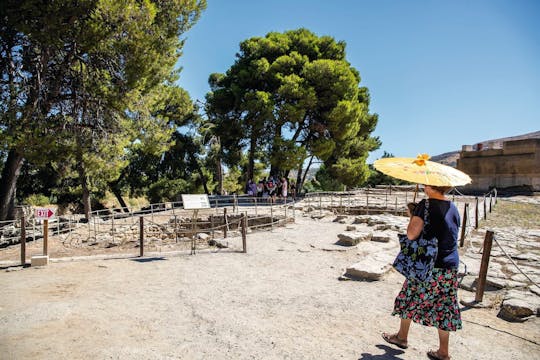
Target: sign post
x=43, y=214
x=195, y=202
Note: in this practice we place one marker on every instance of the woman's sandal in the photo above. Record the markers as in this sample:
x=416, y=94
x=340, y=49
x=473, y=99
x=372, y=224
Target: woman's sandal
x=434, y=355
x=394, y=340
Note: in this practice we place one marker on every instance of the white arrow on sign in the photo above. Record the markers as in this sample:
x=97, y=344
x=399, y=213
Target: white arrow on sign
x=44, y=213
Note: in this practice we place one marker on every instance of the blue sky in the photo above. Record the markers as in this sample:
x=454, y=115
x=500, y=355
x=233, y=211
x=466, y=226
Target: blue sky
x=441, y=73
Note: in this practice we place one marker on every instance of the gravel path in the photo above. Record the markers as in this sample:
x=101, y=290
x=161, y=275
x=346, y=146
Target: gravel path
x=281, y=300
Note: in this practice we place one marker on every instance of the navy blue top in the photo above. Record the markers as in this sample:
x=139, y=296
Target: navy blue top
x=443, y=223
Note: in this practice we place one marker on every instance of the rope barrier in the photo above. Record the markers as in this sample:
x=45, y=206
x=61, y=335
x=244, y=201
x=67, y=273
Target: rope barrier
x=516, y=265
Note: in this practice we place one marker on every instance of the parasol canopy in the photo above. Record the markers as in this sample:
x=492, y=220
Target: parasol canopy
x=422, y=171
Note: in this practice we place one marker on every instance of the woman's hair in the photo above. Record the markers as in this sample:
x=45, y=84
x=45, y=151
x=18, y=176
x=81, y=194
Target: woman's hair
x=441, y=189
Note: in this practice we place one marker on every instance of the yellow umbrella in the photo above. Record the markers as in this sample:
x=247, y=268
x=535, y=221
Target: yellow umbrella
x=422, y=171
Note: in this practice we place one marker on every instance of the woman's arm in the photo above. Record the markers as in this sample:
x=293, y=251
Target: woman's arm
x=416, y=224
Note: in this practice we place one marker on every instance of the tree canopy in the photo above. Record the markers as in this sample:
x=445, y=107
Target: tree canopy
x=81, y=81
x=289, y=97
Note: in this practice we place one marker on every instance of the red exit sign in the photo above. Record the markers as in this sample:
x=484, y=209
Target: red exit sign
x=44, y=213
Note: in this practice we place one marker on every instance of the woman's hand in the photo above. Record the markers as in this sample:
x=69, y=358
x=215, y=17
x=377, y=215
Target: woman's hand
x=411, y=207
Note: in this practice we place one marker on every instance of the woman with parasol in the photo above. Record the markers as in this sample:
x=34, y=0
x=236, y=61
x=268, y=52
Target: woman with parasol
x=433, y=302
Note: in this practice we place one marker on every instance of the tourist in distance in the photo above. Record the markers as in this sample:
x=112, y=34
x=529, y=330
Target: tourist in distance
x=432, y=303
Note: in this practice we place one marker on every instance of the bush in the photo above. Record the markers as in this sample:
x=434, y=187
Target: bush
x=37, y=200
x=167, y=190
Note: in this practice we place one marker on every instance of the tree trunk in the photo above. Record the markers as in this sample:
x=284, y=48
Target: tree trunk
x=85, y=191
x=8, y=185
x=307, y=169
x=120, y=199
x=299, y=177
x=219, y=175
x=115, y=188
x=251, y=159
x=203, y=179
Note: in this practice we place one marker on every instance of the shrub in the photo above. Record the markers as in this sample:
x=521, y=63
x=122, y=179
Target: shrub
x=167, y=190
x=37, y=200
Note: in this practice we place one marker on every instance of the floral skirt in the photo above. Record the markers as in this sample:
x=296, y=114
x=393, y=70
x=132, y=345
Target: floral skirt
x=432, y=303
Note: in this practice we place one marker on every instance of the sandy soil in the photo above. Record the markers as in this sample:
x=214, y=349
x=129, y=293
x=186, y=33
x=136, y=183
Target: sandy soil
x=281, y=300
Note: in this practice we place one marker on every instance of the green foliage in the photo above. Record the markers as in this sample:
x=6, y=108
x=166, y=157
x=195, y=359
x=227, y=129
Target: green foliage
x=232, y=182
x=164, y=190
x=325, y=181
x=293, y=95
x=37, y=200
x=378, y=178
x=88, y=83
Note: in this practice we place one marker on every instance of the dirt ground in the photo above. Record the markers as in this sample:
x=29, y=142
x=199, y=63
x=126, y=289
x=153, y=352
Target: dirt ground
x=281, y=300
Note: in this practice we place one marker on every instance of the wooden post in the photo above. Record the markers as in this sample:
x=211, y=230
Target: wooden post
x=244, y=233
x=495, y=190
x=320, y=205
x=367, y=202
x=464, y=224
x=175, y=229
x=476, y=213
x=234, y=204
x=490, y=202
x=141, y=236
x=256, y=206
x=23, y=241
x=112, y=226
x=271, y=217
x=481, y=282
x=212, y=225
x=194, y=231
x=46, y=237
x=225, y=223
x=485, y=212
x=395, y=207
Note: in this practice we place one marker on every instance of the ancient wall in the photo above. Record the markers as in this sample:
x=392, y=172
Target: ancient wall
x=517, y=163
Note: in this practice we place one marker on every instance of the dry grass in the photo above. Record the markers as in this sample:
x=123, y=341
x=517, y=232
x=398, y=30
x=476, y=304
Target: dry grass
x=510, y=213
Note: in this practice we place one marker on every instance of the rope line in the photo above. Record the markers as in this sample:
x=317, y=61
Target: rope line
x=516, y=265
x=503, y=331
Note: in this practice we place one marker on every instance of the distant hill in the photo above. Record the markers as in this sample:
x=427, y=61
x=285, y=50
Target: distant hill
x=450, y=158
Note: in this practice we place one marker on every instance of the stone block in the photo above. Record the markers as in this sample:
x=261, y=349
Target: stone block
x=382, y=236
x=352, y=239
x=40, y=260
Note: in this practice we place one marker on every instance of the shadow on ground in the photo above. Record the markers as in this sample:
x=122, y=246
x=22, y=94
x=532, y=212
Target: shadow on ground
x=144, y=260
x=389, y=354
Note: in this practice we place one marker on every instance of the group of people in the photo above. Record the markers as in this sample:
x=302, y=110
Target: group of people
x=270, y=189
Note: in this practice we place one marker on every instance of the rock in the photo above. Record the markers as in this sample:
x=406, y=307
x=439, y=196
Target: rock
x=383, y=227
x=502, y=283
x=217, y=244
x=352, y=239
x=373, y=222
x=361, y=220
x=370, y=268
x=527, y=256
x=381, y=236
x=519, y=305
x=350, y=228
x=203, y=236
x=472, y=264
x=468, y=283
x=340, y=218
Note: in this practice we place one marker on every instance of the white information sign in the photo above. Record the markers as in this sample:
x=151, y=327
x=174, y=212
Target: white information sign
x=197, y=201
x=44, y=213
